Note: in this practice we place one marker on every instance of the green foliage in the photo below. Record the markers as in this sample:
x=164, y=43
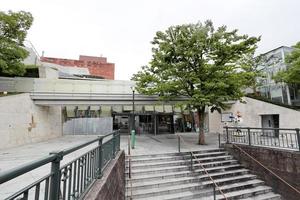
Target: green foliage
x=13, y=31
x=199, y=62
x=292, y=74
x=252, y=67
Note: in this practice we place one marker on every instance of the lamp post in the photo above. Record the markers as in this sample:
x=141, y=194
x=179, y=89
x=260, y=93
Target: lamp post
x=133, y=120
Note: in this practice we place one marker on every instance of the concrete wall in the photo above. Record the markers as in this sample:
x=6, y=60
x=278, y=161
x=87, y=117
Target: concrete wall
x=251, y=112
x=112, y=184
x=88, y=126
x=285, y=164
x=22, y=122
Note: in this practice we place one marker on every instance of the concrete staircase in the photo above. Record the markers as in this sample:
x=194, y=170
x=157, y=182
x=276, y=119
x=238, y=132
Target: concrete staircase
x=170, y=176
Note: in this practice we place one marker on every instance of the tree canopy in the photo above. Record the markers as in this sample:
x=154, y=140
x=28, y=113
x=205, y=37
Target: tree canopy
x=199, y=62
x=13, y=31
x=292, y=74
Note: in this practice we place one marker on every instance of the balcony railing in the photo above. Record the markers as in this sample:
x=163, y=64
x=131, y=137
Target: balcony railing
x=72, y=180
x=268, y=137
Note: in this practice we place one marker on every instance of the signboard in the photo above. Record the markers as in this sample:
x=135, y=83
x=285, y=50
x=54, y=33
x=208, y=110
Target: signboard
x=227, y=117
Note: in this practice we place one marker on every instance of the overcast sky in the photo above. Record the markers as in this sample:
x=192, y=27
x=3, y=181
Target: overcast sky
x=121, y=30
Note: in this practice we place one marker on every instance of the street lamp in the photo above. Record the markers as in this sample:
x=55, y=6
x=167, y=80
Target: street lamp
x=133, y=109
x=133, y=120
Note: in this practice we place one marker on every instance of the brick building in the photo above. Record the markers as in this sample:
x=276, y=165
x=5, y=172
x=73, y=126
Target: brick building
x=97, y=66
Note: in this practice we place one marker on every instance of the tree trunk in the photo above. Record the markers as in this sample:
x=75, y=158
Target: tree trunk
x=201, y=112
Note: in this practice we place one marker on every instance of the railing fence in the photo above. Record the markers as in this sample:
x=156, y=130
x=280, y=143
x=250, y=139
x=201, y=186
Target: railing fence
x=268, y=137
x=72, y=180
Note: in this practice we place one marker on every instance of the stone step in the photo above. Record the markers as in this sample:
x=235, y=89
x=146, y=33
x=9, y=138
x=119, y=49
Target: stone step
x=173, y=154
x=179, y=162
x=198, y=193
x=240, y=185
x=178, y=188
x=246, y=193
x=160, y=170
x=177, y=157
x=183, y=180
x=151, y=177
x=267, y=196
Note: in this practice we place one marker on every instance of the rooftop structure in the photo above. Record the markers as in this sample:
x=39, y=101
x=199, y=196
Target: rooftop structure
x=97, y=66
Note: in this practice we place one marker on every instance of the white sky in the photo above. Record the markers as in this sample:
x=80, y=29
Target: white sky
x=121, y=30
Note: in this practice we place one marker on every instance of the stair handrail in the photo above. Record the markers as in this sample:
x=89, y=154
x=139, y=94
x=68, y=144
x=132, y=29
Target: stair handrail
x=266, y=168
x=129, y=166
x=204, y=169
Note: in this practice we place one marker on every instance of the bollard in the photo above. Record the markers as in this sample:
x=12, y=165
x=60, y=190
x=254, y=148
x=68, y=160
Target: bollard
x=133, y=139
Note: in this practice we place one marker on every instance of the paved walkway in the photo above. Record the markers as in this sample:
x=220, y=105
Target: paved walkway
x=145, y=144
x=168, y=143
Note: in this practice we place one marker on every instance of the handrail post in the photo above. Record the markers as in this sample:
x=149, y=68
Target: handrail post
x=191, y=161
x=298, y=137
x=100, y=157
x=114, y=144
x=214, y=190
x=179, y=144
x=219, y=138
x=249, y=136
x=55, y=178
x=227, y=134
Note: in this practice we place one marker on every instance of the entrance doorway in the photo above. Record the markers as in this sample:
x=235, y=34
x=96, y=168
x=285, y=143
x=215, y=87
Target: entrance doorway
x=270, y=121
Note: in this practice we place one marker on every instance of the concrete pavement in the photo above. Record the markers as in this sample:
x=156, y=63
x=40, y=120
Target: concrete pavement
x=145, y=144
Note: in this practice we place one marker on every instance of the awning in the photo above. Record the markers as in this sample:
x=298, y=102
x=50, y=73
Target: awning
x=159, y=108
x=168, y=108
x=94, y=107
x=117, y=108
x=105, y=111
x=127, y=108
x=70, y=111
x=177, y=109
x=149, y=108
x=82, y=107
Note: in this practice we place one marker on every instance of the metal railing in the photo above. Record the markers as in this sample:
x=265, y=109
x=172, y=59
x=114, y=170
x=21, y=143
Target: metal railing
x=72, y=180
x=292, y=189
x=129, y=168
x=268, y=137
x=215, y=185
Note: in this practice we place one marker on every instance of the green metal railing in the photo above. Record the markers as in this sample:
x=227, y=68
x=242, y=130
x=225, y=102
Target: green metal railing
x=72, y=180
x=269, y=137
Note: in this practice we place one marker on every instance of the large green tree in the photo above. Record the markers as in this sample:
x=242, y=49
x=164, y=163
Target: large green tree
x=13, y=31
x=199, y=62
x=292, y=74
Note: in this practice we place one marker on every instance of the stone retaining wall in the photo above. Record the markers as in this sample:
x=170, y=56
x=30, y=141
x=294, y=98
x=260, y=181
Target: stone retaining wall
x=284, y=163
x=112, y=184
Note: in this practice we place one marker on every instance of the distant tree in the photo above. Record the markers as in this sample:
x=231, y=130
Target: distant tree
x=13, y=31
x=292, y=74
x=199, y=62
